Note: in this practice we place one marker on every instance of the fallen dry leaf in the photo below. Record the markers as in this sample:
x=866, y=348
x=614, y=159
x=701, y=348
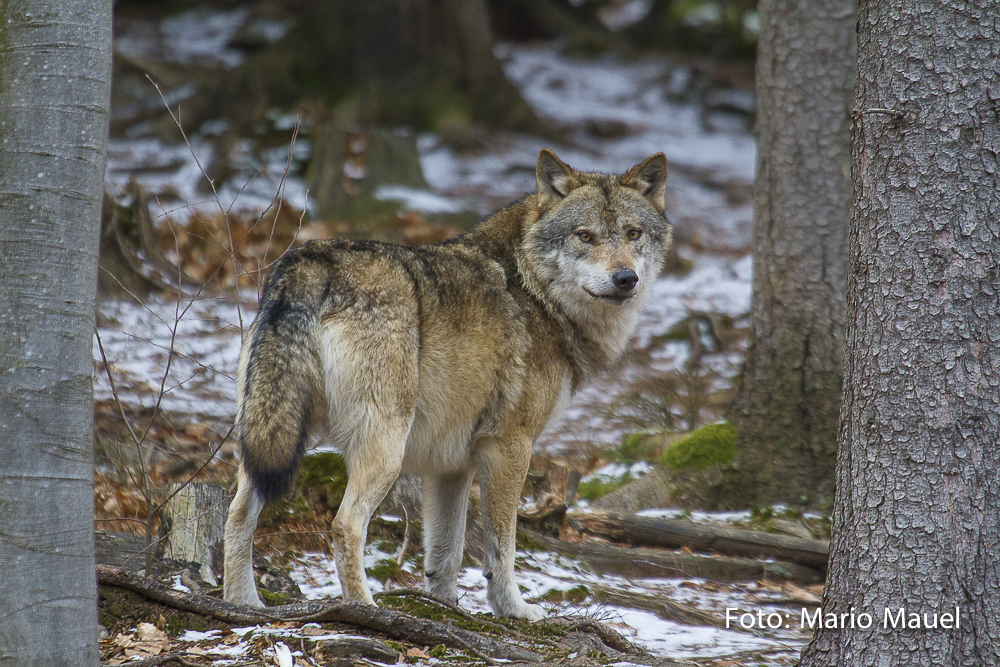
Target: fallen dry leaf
x=147, y=632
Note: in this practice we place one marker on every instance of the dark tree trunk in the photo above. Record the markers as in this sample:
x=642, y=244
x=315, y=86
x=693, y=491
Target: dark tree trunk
x=788, y=401
x=398, y=62
x=55, y=80
x=916, y=522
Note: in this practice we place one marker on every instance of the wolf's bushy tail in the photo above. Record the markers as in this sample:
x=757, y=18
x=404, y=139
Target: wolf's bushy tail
x=280, y=384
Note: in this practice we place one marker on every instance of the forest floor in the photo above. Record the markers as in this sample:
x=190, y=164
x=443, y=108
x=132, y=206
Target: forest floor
x=173, y=360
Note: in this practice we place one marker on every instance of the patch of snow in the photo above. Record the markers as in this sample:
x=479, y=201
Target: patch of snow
x=178, y=586
x=416, y=199
x=316, y=574
x=196, y=636
x=206, y=343
x=173, y=174
x=617, y=471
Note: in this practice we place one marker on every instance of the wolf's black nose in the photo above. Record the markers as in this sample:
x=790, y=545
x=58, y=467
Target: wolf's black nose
x=625, y=279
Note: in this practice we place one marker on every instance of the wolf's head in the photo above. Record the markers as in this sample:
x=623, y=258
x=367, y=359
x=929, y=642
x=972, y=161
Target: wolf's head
x=598, y=242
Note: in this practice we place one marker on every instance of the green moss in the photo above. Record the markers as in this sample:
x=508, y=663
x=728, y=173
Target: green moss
x=438, y=651
x=628, y=451
x=177, y=624
x=320, y=482
x=416, y=607
x=575, y=595
x=270, y=598
x=384, y=570
x=325, y=472
x=593, y=489
x=638, y=446
x=709, y=445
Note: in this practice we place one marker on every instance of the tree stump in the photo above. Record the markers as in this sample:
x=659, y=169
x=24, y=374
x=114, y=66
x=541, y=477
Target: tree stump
x=196, y=516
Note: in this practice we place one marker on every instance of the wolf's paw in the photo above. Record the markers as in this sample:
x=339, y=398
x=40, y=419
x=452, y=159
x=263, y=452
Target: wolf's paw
x=530, y=612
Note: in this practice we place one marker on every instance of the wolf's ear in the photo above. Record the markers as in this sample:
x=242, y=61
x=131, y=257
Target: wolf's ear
x=650, y=179
x=555, y=178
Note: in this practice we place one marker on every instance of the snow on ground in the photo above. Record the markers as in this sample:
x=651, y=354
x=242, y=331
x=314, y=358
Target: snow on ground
x=205, y=338
x=200, y=36
x=539, y=573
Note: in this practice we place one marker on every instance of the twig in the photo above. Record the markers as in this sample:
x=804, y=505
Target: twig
x=215, y=193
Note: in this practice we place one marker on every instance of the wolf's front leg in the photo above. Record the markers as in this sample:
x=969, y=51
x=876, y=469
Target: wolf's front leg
x=502, y=468
x=446, y=499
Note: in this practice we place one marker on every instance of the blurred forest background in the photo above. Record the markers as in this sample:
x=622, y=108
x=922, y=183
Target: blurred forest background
x=242, y=128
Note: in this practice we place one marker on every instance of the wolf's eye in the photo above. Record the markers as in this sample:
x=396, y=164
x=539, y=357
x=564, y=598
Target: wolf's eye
x=633, y=234
x=585, y=237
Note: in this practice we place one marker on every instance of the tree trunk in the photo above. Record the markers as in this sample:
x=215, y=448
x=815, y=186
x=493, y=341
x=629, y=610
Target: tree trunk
x=422, y=63
x=788, y=401
x=916, y=522
x=55, y=80
x=197, y=516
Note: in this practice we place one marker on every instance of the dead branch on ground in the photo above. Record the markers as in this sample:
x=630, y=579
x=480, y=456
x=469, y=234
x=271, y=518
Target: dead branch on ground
x=675, y=534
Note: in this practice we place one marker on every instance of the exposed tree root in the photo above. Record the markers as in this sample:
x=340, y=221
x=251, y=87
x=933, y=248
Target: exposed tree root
x=509, y=645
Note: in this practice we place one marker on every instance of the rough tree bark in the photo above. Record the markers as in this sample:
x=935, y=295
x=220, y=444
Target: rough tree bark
x=916, y=521
x=788, y=400
x=55, y=80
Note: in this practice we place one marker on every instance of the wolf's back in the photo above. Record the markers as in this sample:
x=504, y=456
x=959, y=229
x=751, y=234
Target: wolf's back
x=279, y=382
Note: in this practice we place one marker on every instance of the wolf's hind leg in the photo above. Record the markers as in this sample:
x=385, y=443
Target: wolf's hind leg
x=372, y=466
x=446, y=499
x=502, y=468
x=238, y=582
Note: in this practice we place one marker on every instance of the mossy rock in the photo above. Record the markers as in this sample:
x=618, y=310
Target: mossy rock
x=319, y=483
x=593, y=489
x=300, y=520
x=705, y=447
x=270, y=598
x=324, y=472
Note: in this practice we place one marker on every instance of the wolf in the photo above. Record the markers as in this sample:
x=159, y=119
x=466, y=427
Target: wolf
x=445, y=361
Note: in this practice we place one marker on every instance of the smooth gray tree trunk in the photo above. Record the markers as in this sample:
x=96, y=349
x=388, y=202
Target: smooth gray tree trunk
x=788, y=399
x=55, y=79
x=917, y=515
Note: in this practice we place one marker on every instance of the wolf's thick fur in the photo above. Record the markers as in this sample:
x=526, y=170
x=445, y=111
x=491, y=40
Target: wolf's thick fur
x=442, y=361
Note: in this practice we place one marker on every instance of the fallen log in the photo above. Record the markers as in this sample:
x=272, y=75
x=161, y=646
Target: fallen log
x=674, y=534
x=663, y=607
x=642, y=562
